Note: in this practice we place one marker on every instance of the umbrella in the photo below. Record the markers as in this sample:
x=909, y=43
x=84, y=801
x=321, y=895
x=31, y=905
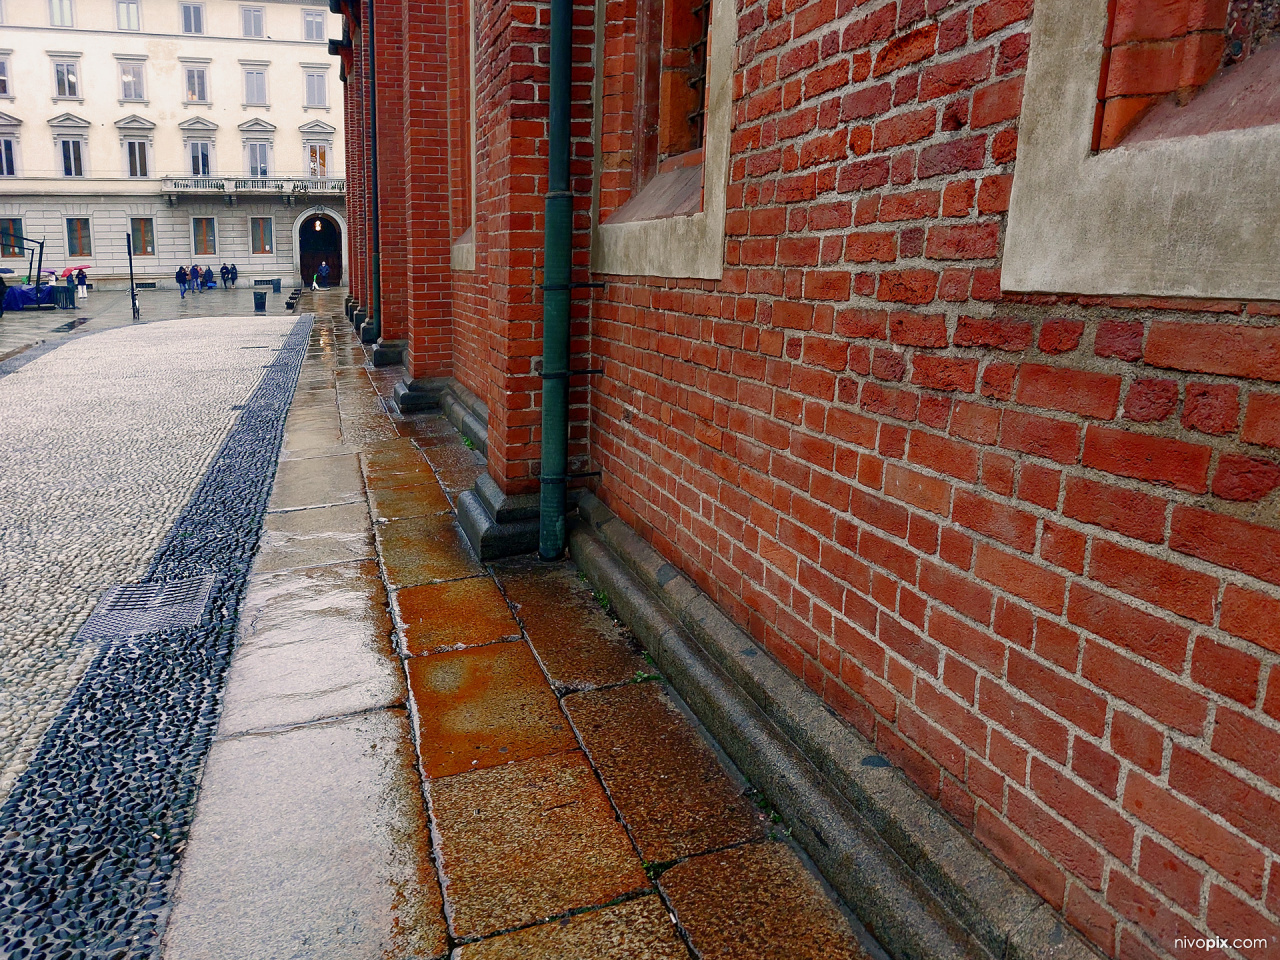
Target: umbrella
x=5, y=270
x=70, y=270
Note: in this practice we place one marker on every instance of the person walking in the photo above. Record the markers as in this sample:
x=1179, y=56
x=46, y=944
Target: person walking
x=181, y=276
x=234, y=274
x=324, y=275
x=82, y=285
x=194, y=273
x=225, y=273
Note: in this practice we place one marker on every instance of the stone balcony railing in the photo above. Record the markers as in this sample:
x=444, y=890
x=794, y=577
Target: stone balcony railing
x=287, y=188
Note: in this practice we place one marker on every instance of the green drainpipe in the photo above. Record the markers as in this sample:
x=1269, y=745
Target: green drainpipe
x=557, y=258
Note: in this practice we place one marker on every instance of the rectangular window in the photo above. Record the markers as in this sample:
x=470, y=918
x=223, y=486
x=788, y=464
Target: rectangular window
x=317, y=90
x=143, y=231
x=313, y=25
x=259, y=154
x=127, y=15
x=67, y=79
x=11, y=238
x=197, y=85
x=72, y=158
x=4, y=77
x=251, y=21
x=318, y=159
x=260, y=235
x=8, y=168
x=137, y=150
x=200, y=166
x=204, y=236
x=255, y=87
x=131, y=85
x=61, y=14
x=193, y=18
x=78, y=242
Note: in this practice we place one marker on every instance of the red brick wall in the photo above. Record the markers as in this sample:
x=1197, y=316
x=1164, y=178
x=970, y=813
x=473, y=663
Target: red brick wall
x=392, y=226
x=1028, y=546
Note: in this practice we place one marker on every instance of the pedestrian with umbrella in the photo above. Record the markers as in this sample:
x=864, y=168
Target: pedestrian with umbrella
x=82, y=284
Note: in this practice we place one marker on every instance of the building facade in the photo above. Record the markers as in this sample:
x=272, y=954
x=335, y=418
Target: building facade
x=936, y=342
x=205, y=132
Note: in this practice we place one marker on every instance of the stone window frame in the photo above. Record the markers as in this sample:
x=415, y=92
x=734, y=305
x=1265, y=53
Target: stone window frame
x=1181, y=217
x=67, y=58
x=192, y=224
x=255, y=66
x=269, y=254
x=5, y=56
x=67, y=220
x=308, y=71
x=261, y=11
x=313, y=15
x=136, y=60
x=676, y=247
x=204, y=65
x=196, y=8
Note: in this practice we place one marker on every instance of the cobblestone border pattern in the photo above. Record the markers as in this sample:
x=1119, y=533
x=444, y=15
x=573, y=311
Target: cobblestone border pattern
x=92, y=832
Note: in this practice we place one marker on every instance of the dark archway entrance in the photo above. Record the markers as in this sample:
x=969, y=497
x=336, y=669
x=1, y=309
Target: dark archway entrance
x=316, y=246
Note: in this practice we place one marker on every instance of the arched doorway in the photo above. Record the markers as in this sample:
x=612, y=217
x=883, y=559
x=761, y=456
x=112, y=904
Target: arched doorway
x=319, y=241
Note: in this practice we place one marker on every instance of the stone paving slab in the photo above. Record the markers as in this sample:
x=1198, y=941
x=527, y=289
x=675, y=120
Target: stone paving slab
x=638, y=929
x=310, y=843
x=758, y=901
x=400, y=503
x=314, y=643
x=527, y=841
x=673, y=794
x=444, y=616
x=424, y=550
x=483, y=707
x=310, y=483
x=306, y=538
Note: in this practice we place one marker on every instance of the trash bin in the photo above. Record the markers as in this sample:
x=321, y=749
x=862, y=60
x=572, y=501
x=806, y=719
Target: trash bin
x=259, y=301
x=64, y=298
x=275, y=285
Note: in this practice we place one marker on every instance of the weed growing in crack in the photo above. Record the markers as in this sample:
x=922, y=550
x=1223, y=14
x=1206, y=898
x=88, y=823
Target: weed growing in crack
x=642, y=677
x=468, y=443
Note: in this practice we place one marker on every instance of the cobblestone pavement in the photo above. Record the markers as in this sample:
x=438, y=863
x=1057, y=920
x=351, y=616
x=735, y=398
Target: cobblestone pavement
x=104, y=441
x=108, y=309
x=422, y=756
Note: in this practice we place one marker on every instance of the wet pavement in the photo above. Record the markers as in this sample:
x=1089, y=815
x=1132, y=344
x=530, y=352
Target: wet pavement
x=422, y=756
x=370, y=744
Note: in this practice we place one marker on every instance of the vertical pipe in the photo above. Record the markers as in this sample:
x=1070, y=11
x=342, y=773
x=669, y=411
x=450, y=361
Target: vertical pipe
x=375, y=292
x=557, y=260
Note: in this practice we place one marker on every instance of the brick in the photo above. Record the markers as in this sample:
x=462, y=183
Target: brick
x=1245, y=479
x=1185, y=592
x=1041, y=874
x=1167, y=701
x=1080, y=858
x=942, y=455
x=1252, y=616
x=907, y=286
x=1116, y=508
x=960, y=593
x=1248, y=809
x=1234, y=920
x=1057, y=644
x=964, y=73
x=1091, y=918
x=977, y=423
x=928, y=493
x=1211, y=408
x=997, y=473
x=1170, y=874
x=1052, y=439
x=1095, y=766
x=1249, y=743
x=1152, y=638
x=1229, y=349
x=1120, y=339
x=906, y=49
x=1060, y=336
x=998, y=521
x=1003, y=333
x=918, y=329
x=1262, y=420
x=973, y=645
x=1228, y=542
x=1160, y=460
x=1150, y=401
x=916, y=205
x=997, y=103
x=997, y=14
x=1022, y=578
x=1137, y=741
x=1072, y=391
x=908, y=644
x=1039, y=485
x=1225, y=670
x=1138, y=20
x=952, y=156
x=1191, y=830
x=869, y=246
x=905, y=128
x=977, y=241
x=1068, y=699
x=1095, y=817
x=1014, y=623
x=997, y=380
x=1023, y=720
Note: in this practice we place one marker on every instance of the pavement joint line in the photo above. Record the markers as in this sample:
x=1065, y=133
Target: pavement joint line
x=399, y=706
x=310, y=566
x=94, y=826
x=314, y=506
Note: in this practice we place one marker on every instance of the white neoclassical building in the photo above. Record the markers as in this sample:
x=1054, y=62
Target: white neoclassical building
x=206, y=132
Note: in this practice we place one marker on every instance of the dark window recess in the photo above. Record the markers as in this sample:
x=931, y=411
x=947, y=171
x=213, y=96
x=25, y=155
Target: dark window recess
x=698, y=71
x=1251, y=25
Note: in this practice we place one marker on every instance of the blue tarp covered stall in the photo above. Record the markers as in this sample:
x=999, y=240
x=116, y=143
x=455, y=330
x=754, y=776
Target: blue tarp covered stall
x=16, y=297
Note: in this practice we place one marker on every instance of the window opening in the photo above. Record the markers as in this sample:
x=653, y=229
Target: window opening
x=318, y=159
x=143, y=231
x=79, y=243
x=204, y=236
x=316, y=90
x=137, y=150
x=72, y=159
x=61, y=14
x=67, y=79
x=255, y=87
x=4, y=77
x=127, y=15
x=200, y=165
x=11, y=238
x=313, y=25
x=7, y=166
x=131, y=85
x=192, y=18
x=251, y=18
x=260, y=235
x=197, y=85
x=258, y=159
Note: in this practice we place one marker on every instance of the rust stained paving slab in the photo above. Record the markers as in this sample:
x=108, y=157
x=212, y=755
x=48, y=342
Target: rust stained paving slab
x=444, y=616
x=639, y=929
x=424, y=550
x=672, y=792
x=578, y=642
x=527, y=841
x=456, y=464
x=758, y=901
x=396, y=503
x=483, y=707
